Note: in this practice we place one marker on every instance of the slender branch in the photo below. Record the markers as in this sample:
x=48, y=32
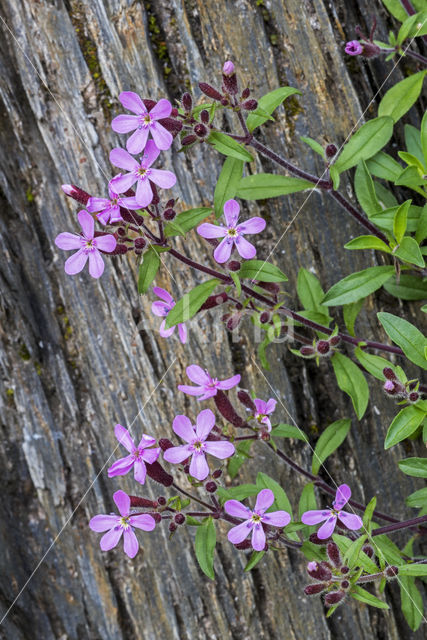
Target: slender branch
x=358, y=216
x=371, y=577
x=189, y=495
x=400, y=525
x=417, y=56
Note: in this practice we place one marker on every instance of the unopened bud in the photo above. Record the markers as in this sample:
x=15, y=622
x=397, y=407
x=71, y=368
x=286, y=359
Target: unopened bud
x=174, y=112
x=250, y=105
x=246, y=544
x=245, y=94
x=264, y=317
x=314, y=589
x=187, y=101
x=370, y=50
x=315, y=539
x=210, y=91
x=187, y=468
x=334, y=341
x=169, y=214
x=228, y=69
x=323, y=347
x=170, y=203
x=246, y=400
x=161, y=500
x=368, y=550
x=227, y=410
x=345, y=584
x=414, y=396
x=136, y=501
x=225, y=102
x=211, y=486
x=233, y=321
x=172, y=527
x=76, y=193
x=200, y=130
x=165, y=444
x=389, y=373
x=188, y=139
x=391, y=572
x=217, y=473
x=214, y=301
x=172, y=125
x=333, y=554
x=156, y=472
x=179, y=518
x=140, y=242
x=272, y=287
x=344, y=570
x=319, y=571
x=204, y=116
x=233, y=265
x=331, y=150
x=307, y=351
x=119, y=250
x=334, y=597
x=157, y=517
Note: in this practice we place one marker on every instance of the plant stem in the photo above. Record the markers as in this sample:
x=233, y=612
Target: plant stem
x=415, y=55
x=371, y=577
x=400, y=525
x=185, y=493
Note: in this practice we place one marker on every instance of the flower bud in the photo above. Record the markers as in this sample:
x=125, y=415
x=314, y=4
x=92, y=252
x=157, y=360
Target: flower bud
x=200, y=130
x=187, y=101
x=331, y=151
x=174, y=112
x=204, y=116
x=370, y=50
x=245, y=94
x=157, y=517
x=211, y=486
x=76, y=193
x=140, y=242
x=161, y=500
x=315, y=539
x=391, y=572
x=172, y=527
x=272, y=287
x=233, y=265
x=333, y=554
x=172, y=125
x=334, y=341
x=156, y=472
x=230, y=79
x=131, y=216
x=319, y=571
x=233, y=321
x=246, y=400
x=225, y=102
x=414, y=396
x=344, y=570
x=228, y=68
x=165, y=444
x=210, y=91
x=170, y=203
x=246, y=544
x=227, y=410
x=136, y=501
x=334, y=597
x=214, y=301
x=389, y=373
x=264, y=317
x=187, y=468
x=121, y=231
x=314, y=589
x=345, y=584
x=179, y=518
x=217, y=473
x=138, y=252
x=119, y=250
x=323, y=347
x=169, y=214
x=188, y=139
x=250, y=105
x=307, y=351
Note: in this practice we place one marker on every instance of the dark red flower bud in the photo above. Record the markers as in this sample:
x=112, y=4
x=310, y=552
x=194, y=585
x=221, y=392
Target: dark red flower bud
x=227, y=410
x=414, y=396
x=157, y=473
x=140, y=242
x=138, y=252
x=264, y=317
x=148, y=103
x=76, y=193
x=246, y=544
x=121, y=231
x=230, y=83
x=217, y=473
x=344, y=569
x=188, y=139
x=307, y=351
x=334, y=341
x=272, y=287
x=179, y=518
x=157, y=517
x=331, y=150
x=214, y=301
x=200, y=130
x=334, y=597
x=246, y=400
x=156, y=198
x=161, y=500
x=165, y=444
x=187, y=101
x=233, y=321
x=333, y=554
x=233, y=265
x=170, y=203
x=250, y=105
x=119, y=250
x=172, y=125
x=211, y=486
x=172, y=527
x=319, y=571
x=315, y=540
x=174, y=112
x=169, y=214
x=314, y=589
x=389, y=373
x=246, y=93
x=323, y=347
x=368, y=550
x=136, y=501
x=225, y=102
x=131, y=216
x=345, y=584
x=370, y=50
x=391, y=572
x=204, y=116
x=209, y=91
x=187, y=468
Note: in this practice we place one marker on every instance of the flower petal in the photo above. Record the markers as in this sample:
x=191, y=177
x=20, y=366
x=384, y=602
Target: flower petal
x=350, y=520
x=314, y=517
x=204, y=423
x=146, y=441
x=163, y=295
x=258, y=537
x=264, y=500
x=239, y=533
x=160, y=309
x=277, y=518
x=151, y=153
x=129, y=203
x=163, y=179
x=342, y=496
x=106, y=243
x=220, y=449
x=68, y=241
x=231, y=212
x=140, y=471
x=94, y=205
x=223, y=251
x=122, y=501
x=229, y=383
x=103, y=522
x=175, y=455
x=183, y=428
x=124, y=437
x=197, y=374
x=131, y=100
x=271, y=406
x=87, y=224
x=124, y=123
x=327, y=529
x=110, y=539
x=237, y=509
x=137, y=141
x=130, y=543
x=182, y=330
x=121, y=467
x=96, y=264
x=144, y=193
x=161, y=110
x=150, y=455
x=208, y=230
x=75, y=263
x=253, y=225
x=161, y=136
x=199, y=468
x=124, y=182
x=191, y=391
x=210, y=393
x=165, y=333
x=122, y=159
x=245, y=248
x=143, y=521
x=260, y=406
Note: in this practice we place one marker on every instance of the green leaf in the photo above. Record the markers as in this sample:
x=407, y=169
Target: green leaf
x=368, y=242
x=241, y=455
x=364, y=596
x=387, y=549
x=227, y=184
x=410, y=177
x=269, y=103
x=365, y=561
x=408, y=288
x=411, y=602
x=414, y=26
x=357, y=285
x=307, y=502
x=329, y=441
x=262, y=271
x=314, y=145
x=352, y=554
x=310, y=292
x=190, y=303
x=281, y=501
x=406, y=336
x=186, y=221
x=411, y=160
x=385, y=219
x=413, y=142
x=205, y=546
x=369, y=512
x=421, y=233
x=148, y=269
x=404, y=424
x=373, y=364
x=365, y=190
x=229, y=147
x=269, y=185
x=423, y=136
x=400, y=98
x=350, y=313
x=352, y=381
x=416, y=467
x=413, y=570
x=365, y=143
x=237, y=493
x=386, y=198
x=288, y=431
x=418, y=499
x=254, y=559
x=409, y=251
x=396, y=9
x=384, y=166
x=400, y=220
x=235, y=278
x=313, y=551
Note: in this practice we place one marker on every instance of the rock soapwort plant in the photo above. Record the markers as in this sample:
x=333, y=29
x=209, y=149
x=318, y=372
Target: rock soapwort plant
x=345, y=549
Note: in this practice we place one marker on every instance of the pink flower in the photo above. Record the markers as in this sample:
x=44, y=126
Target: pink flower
x=197, y=446
x=207, y=386
x=143, y=453
x=108, y=210
x=122, y=524
x=143, y=123
x=254, y=520
x=353, y=48
x=330, y=516
x=88, y=247
x=141, y=173
x=162, y=309
x=263, y=410
x=233, y=233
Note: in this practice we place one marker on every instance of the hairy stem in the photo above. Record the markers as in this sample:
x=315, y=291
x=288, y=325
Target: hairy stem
x=400, y=525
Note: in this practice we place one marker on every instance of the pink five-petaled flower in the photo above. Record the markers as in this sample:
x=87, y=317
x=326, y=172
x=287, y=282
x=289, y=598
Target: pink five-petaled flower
x=330, y=516
x=264, y=409
x=232, y=234
x=255, y=519
x=144, y=452
x=197, y=446
x=88, y=247
x=143, y=123
x=122, y=524
x=141, y=173
x=353, y=48
x=207, y=386
x=162, y=309
x=108, y=210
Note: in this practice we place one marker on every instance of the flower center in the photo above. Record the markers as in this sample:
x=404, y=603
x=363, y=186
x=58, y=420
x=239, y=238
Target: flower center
x=89, y=245
x=124, y=522
x=198, y=445
x=145, y=121
x=213, y=383
x=256, y=518
x=259, y=417
x=232, y=232
x=137, y=453
x=114, y=202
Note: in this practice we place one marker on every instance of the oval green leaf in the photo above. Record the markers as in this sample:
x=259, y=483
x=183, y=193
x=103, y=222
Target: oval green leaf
x=329, y=441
